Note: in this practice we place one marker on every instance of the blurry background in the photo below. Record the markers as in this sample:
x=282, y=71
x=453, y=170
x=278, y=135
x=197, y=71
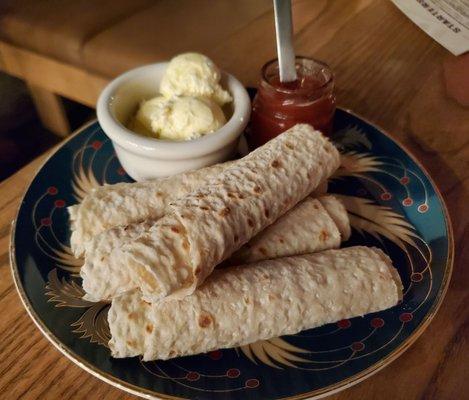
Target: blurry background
x=57, y=55
x=22, y=134
x=63, y=52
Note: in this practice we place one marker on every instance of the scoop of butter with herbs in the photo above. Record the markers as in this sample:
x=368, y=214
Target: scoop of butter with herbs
x=178, y=118
x=182, y=111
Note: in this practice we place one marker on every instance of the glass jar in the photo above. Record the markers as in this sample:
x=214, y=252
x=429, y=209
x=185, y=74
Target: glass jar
x=278, y=106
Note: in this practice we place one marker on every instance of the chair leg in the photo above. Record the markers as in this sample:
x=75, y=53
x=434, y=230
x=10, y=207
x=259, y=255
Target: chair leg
x=50, y=109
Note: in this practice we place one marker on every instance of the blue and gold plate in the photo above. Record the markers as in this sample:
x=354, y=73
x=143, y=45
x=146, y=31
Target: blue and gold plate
x=392, y=204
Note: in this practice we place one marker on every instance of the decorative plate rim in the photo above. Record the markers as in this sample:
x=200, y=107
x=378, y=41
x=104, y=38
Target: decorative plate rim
x=315, y=394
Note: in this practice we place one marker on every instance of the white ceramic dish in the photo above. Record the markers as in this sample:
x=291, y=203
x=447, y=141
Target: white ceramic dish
x=146, y=158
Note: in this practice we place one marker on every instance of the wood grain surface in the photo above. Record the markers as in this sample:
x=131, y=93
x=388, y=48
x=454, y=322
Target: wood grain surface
x=391, y=73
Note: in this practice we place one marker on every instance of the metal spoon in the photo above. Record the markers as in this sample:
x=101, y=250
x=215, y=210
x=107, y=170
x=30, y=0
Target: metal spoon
x=284, y=33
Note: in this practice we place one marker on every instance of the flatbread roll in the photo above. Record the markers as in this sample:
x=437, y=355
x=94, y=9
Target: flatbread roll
x=240, y=305
x=124, y=204
x=306, y=228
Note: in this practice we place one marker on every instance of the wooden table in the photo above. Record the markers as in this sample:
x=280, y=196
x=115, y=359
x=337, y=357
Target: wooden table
x=388, y=71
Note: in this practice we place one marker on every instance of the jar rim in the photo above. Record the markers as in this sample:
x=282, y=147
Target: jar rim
x=285, y=89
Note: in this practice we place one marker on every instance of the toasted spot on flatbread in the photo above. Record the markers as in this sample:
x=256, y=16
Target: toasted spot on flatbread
x=224, y=212
x=275, y=164
x=323, y=236
x=205, y=320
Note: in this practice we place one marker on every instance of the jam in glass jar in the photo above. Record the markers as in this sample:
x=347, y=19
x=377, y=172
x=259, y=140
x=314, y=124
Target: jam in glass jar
x=278, y=106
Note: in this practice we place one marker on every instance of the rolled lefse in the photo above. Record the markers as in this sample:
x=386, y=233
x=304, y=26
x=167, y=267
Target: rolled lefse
x=202, y=229
x=124, y=203
x=241, y=305
x=306, y=228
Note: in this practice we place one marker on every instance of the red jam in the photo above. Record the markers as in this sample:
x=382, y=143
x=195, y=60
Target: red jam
x=278, y=105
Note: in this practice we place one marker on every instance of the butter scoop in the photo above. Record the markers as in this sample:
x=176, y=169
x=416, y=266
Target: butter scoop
x=193, y=74
x=177, y=118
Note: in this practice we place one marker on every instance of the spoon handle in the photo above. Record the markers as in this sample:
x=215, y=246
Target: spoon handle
x=284, y=32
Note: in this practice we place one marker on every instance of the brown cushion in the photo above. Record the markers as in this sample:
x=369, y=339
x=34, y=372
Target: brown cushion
x=167, y=28
x=59, y=28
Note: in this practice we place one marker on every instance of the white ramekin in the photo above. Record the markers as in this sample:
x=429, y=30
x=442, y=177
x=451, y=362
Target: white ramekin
x=146, y=158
